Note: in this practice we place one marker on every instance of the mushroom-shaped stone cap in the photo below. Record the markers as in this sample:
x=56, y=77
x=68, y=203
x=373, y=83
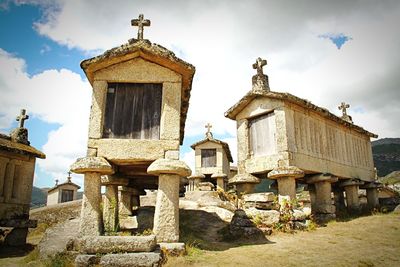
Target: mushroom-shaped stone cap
x=285, y=171
x=371, y=185
x=348, y=182
x=92, y=164
x=197, y=175
x=169, y=166
x=219, y=175
x=244, y=178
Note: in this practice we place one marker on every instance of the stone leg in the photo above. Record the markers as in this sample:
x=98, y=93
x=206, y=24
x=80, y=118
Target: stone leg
x=339, y=199
x=110, y=209
x=372, y=198
x=135, y=202
x=286, y=189
x=196, y=184
x=166, y=216
x=353, y=203
x=311, y=191
x=91, y=216
x=220, y=183
x=323, y=198
x=125, y=205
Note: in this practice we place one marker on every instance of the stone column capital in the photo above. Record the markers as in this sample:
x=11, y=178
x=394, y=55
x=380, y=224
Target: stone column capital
x=219, y=175
x=322, y=177
x=286, y=171
x=197, y=175
x=244, y=178
x=169, y=166
x=371, y=185
x=92, y=164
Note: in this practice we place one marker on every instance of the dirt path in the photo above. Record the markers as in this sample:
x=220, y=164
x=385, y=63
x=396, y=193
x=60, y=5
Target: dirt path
x=366, y=241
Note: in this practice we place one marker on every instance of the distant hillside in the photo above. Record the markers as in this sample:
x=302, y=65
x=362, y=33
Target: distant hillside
x=39, y=197
x=386, y=154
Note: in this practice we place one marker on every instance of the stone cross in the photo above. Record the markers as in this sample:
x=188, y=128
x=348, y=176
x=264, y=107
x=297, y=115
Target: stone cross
x=141, y=22
x=343, y=107
x=22, y=117
x=56, y=182
x=260, y=63
x=69, y=176
x=208, y=133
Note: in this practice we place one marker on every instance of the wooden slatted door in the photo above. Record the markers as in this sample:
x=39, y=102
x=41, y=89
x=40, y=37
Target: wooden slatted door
x=133, y=110
x=208, y=158
x=67, y=195
x=262, y=132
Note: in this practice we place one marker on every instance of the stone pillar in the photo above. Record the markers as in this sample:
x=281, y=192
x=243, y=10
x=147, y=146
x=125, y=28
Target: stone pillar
x=220, y=177
x=372, y=194
x=286, y=177
x=166, y=216
x=125, y=202
x=311, y=192
x=244, y=182
x=91, y=222
x=110, y=209
x=338, y=198
x=351, y=188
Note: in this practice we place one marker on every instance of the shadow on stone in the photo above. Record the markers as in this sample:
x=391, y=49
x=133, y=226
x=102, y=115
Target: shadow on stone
x=15, y=251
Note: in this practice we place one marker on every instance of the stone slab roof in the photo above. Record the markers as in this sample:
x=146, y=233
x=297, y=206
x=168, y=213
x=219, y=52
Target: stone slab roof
x=232, y=112
x=8, y=145
x=59, y=185
x=225, y=146
x=151, y=52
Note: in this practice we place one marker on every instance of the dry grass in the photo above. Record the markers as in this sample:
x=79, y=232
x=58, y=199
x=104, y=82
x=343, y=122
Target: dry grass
x=365, y=241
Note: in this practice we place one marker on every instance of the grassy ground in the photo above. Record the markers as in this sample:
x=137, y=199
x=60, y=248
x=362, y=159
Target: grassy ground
x=366, y=241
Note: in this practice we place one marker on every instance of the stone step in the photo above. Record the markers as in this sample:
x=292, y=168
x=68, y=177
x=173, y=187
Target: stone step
x=140, y=259
x=115, y=244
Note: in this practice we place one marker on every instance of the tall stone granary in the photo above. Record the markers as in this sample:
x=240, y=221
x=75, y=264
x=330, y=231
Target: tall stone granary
x=140, y=100
x=290, y=140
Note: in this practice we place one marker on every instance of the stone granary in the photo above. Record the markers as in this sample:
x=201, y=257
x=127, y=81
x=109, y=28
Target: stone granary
x=17, y=167
x=212, y=162
x=64, y=192
x=289, y=139
x=140, y=101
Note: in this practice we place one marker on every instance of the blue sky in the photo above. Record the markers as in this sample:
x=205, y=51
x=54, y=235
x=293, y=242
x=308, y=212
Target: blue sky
x=329, y=53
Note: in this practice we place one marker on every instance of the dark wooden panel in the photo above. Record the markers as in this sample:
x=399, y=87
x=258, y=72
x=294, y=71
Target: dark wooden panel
x=133, y=111
x=208, y=157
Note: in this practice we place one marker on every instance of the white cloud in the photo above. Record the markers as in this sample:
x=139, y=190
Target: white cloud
x=53, y=96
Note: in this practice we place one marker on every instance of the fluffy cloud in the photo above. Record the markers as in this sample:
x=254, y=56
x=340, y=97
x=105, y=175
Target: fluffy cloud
x=53, y=96
x=222, y=39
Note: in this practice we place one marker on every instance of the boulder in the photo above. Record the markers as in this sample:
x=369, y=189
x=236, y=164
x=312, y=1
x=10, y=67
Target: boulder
x=222, y=213
x=266, y=217
x=242, y=227
x=259, y=197
x=298, y=215
x=188, y=204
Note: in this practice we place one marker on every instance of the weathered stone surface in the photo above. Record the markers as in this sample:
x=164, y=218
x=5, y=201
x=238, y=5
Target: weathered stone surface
x=219, y=175
x=169, y=166
x=91, y=214
x=286, y=189
x=113, y=180
x=267, y=217
x=285, y=171
x=205, y=186
x=143, y=259
x=299, y=215
x=197, y=175
x=188, y=204
x=307, y=211
x=297, y=225
x=222, y=213
x=209, y=198
x=261, y=205
x=110, y=208
x=166, y=215
x=128, y=223
x=326, y=177
x=259, y=197
x=92, y=164
x=116, y=244
x=242, y=227
x=86, y=260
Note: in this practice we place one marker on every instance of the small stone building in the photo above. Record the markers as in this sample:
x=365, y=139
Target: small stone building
x=212, y=162
x=289, y=139
x=17, y=167
x=140, y=101
x=64, y=192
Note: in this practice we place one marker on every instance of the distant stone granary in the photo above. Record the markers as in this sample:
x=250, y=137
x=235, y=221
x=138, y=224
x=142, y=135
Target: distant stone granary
x=289, y=139
x=141, y=95
x=63, y=192
x=17, y=166
x=212, y=162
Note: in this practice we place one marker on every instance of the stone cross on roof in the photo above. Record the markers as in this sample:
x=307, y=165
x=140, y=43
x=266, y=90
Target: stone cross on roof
x=141, y=22
x=56, y=182
x=69, y=176
x=22, y=117
x=260, y=63
x=343, y=107
x=208, y=133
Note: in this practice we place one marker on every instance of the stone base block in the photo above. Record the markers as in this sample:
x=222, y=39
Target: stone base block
x=149, y=259
x=86, y=260
x=17, y=237
x=322, y=218
x=128, y=223
x=116, y=244
x=173, y=249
